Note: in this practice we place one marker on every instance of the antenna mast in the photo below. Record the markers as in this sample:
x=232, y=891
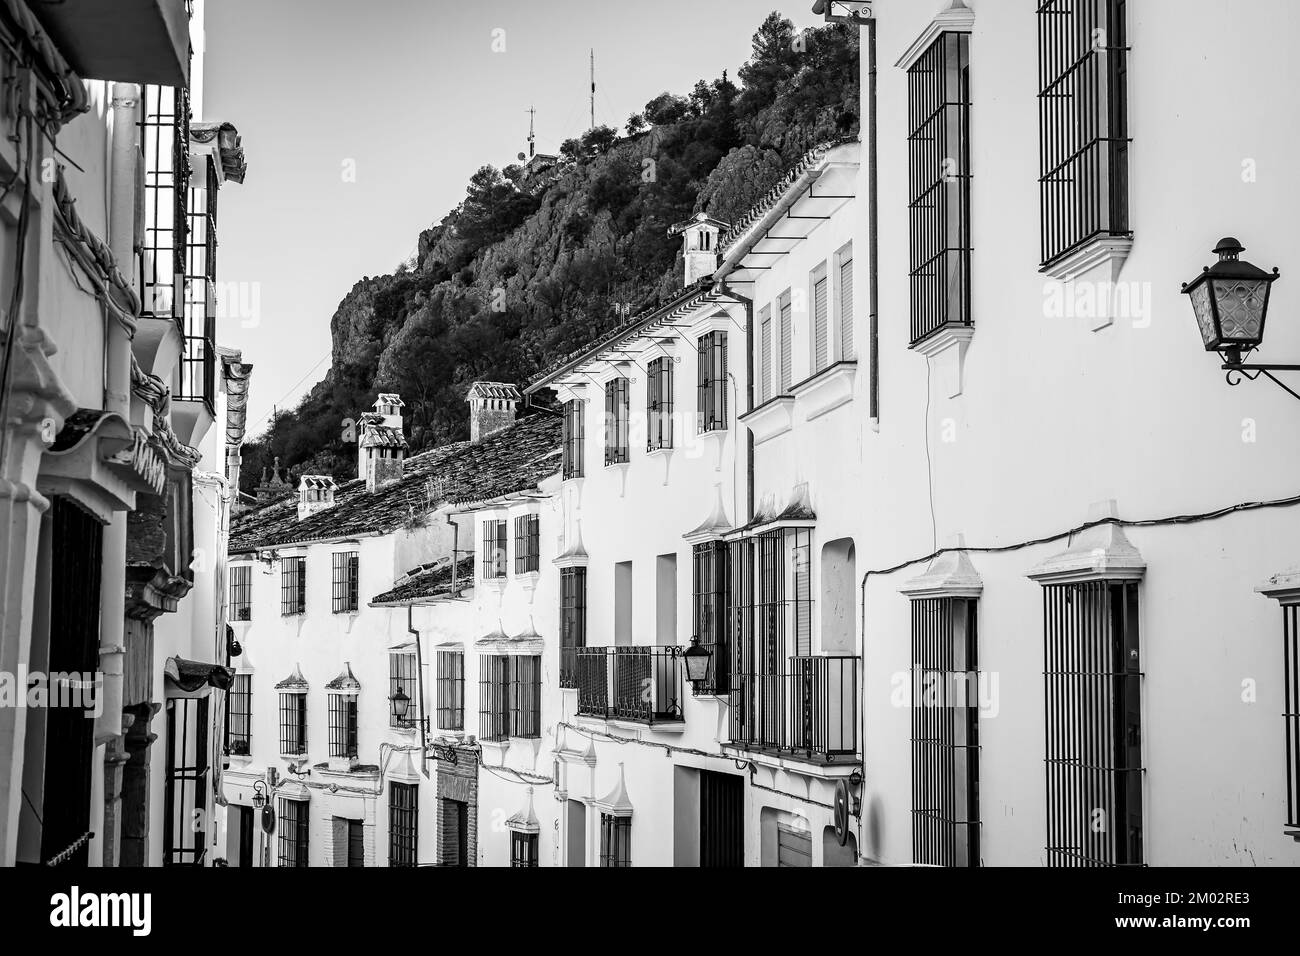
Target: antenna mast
x=593, y=88
x=532, y=136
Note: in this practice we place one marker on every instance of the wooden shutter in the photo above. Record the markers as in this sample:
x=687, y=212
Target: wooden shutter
x=821, y=327
x=847, y=352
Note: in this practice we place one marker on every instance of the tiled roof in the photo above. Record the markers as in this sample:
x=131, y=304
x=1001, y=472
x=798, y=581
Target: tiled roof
x=316, y=483
x=428, y=582
x=513, y=459
x=494, y=390
x=382, y=436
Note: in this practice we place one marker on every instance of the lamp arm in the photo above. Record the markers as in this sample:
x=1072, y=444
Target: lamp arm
x=1241, y=368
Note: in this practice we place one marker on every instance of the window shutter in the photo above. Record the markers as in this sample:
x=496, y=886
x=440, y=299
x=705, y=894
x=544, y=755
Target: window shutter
x=765, y=359
x=787, y=334
x=846, y=311
x=821, y=328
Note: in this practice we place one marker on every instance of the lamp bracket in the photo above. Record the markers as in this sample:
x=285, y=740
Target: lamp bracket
x=1241, y=369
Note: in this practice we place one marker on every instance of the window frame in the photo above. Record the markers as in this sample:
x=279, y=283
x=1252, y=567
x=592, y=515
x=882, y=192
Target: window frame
x=403, y=676
x=659, y=404
x=345, y=581
x=524, y=849
x=496, y=553
x=615, y=840
x=239, y=605
x=573, y=427
x=450, y=679
x=293, y=585
x=528, y=544
x=711, y=612
x=820, y=347
x=403, y=824
x=344, y=729
x=618, y=448
x=1070, y=80
x=510, y=690
x=939, y=198
x=711, y=382
x=239, y=709
x=293, y=723
x=294, y=830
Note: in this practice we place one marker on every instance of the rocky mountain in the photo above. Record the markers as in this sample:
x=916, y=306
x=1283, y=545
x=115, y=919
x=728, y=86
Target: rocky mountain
x=537, y=260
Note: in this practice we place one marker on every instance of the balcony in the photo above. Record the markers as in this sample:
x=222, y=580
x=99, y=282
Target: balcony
x=569, y=668
x=135, y=41
x=807, y=711
x=638, y=684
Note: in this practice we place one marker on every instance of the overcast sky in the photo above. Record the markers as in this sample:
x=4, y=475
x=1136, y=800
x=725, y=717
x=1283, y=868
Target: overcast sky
x=363, y=121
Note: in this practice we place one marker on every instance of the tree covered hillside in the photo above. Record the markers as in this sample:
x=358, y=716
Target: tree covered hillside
x=527, y=269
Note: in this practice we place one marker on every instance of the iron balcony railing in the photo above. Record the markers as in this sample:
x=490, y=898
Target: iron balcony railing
x=642, y=684
x=569, y=667
x=809, y=708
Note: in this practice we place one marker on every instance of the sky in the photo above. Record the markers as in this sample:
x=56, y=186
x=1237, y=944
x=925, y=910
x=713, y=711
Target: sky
x=363, y=121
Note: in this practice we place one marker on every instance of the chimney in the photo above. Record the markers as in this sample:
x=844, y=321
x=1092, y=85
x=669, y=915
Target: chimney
x=315, y=493
x=491, y=408
x=381, y=447
x=699, y=245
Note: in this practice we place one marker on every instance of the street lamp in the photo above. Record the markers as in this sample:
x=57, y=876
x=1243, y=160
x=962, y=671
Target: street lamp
x=1230, y=300
x=401, y=705
x=843, y=11
x=697, y=661
x=259, y=794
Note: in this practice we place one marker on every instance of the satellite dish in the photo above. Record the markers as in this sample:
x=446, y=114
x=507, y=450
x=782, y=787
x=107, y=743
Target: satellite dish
x=522, y=157
x=842, y=812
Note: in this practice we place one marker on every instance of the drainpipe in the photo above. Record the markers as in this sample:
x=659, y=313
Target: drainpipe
x=117, y=398
x=749, y=395
x=419, y=676
x=873, y=227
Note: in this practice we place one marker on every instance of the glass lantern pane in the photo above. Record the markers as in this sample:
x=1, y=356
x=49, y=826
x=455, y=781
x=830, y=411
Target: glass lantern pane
x=1204, y=309
x=1241, y=307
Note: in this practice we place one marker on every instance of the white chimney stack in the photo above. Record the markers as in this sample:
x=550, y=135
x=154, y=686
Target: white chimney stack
x=381, y=446
x=700, y=236
x=491, y=408
x=315, y=493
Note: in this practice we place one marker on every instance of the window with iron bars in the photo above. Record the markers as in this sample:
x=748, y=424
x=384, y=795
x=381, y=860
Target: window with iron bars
x=451, y=690
x=659, y=404
x=1093, y=724
x=239, y=716
x=711, y=563
x=615, y=840
x=617, y=421
x=523, y=849
x=164, y=140
x=346, y=581
x=574, y=437
x=343, y=725
x=1083, y=123
x=241, y=593
x=711, y=389
x=293, y=724
x=402, y=677
x=293, y=586
x=292, y=826
x=945, y=732
x=1291, y=714
x=494, y=549
x=510, y=692
x=939, y=175
x=528, y=544
x=185, y=789
x=573, y=622
x=403, y=824
x=199, y=356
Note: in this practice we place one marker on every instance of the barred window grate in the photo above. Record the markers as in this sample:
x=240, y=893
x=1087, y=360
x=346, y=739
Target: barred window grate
x=346, y=581
x=292, y=826
x=528, y=546
x=494, y=549
x=574, y=437
x=293, y=724
x=938, y=86
x=403, y=824
x=451, y=690
x=1083, y=123
x=402, y=677
x=712, y=604
x=241, y=593
x=573, y=622
x=510, y=690
x=1291, y=713
x=164, y=139
x=293, y=586
x=945, y=733
x=615, y=840
x=1093, y=724
x=239, y=716
x=711, y=403
x=523, y=849
x=659, y=404
x=199, y=354
x=343, y=725
x=617, y=421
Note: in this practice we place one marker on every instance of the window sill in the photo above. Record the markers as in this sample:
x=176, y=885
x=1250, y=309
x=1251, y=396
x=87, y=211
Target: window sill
x=774, y=417
x=827, y=390
x=945, y=350
x=1100, y=254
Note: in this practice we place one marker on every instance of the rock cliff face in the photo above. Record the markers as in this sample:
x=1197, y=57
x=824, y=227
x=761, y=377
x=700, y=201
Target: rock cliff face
x=526, y=269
